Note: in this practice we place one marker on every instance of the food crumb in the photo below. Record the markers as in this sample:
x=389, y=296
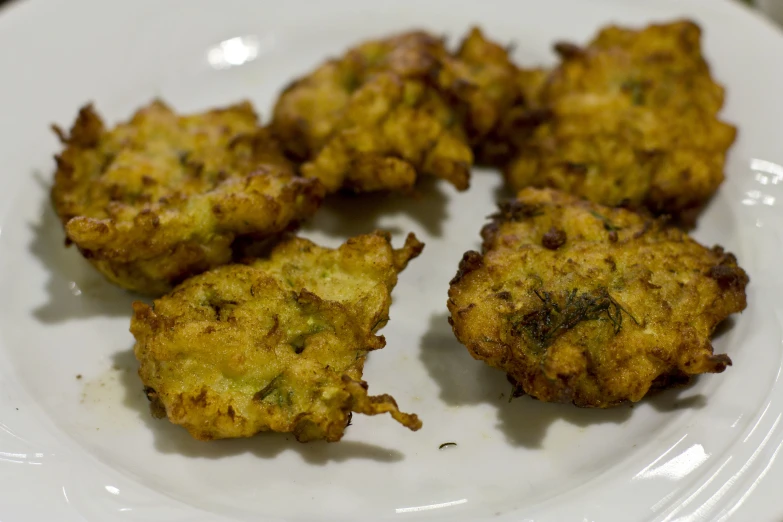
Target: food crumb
x=78, y=376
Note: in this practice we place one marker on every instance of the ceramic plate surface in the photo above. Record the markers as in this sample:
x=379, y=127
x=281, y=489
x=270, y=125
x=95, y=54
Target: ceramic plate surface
x=87, y=449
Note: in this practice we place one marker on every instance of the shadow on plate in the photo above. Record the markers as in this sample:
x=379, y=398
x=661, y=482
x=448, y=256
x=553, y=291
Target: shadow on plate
x=524, y=421
x=504, y=193
x=347, y=215
x=174, y=439
x=74, y=289
x=723, y=329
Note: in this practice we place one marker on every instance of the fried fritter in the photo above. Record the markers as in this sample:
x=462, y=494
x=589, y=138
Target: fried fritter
x=483, y=82
x=581, y=303
x=162, y=197
x=390, y=110
x=518, y=123
x=632, y=121
x=277, y=344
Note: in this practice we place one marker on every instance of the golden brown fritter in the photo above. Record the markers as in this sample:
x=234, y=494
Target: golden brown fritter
x=482, y=82
x=581, y=303
x=162, y=197
x=518, y=123
x=632, y=121
x=277, y=344
x=390, y=110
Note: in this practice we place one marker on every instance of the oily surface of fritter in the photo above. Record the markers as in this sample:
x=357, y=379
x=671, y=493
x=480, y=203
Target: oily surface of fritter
x=390, y=110
x=632, y=121
x=161, y=197
x=277, y=344
x=581, y=303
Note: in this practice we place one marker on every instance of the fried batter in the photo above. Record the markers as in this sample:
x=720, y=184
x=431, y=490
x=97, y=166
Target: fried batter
x=277, y=344
x=163, y=197
x=581, y=303
x=517, y=124
x=632, y=121
x=390, y=110
x=483, y=81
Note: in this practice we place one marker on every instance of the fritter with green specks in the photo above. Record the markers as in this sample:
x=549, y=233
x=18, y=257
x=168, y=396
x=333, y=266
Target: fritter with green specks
x=581, y=303
x=275, y=344
x=162, y=197
x=393, y=109
x=632, y=120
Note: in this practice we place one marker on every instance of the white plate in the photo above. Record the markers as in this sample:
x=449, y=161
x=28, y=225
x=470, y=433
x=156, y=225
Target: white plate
x=87, y=449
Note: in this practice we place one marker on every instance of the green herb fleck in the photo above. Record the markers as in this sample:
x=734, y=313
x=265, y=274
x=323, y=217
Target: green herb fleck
x=635, y=89
x=553, y=319
x=516, y=211
x=380, y=323
x=298, y=342
x=608, y=225
x=267, y=390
